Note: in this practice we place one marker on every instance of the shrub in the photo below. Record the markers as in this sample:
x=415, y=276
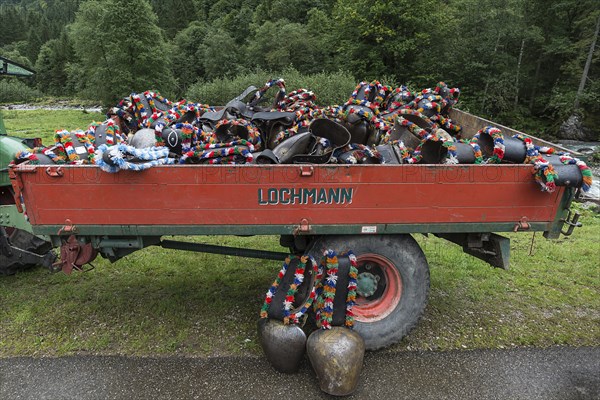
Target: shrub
x=330, y=88
x=15, y=91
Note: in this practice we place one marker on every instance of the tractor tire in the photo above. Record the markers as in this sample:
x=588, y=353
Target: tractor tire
x=393, y=284
x=26, y=241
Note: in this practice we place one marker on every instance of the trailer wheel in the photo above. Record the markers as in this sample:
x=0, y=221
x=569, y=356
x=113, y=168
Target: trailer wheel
x=393, y=284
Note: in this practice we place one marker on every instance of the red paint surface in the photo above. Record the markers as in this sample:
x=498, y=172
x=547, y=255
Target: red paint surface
x=228, y=195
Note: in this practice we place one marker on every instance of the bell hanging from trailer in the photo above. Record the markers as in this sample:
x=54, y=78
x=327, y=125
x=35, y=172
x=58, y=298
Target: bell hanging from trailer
x=336, y=352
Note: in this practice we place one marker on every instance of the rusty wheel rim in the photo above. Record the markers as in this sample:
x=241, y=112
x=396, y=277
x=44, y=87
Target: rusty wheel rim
x=380, y=288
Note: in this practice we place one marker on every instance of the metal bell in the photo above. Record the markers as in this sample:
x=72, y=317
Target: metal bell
x=144, y=138
x=336, y=356
x=284, y=345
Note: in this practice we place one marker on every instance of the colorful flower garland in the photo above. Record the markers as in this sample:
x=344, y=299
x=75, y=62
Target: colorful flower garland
x=327, y=289
x=289, y=316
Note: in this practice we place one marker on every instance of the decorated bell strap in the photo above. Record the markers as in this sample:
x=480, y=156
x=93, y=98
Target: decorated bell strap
x=468, y=152
x=281, y=296
x=430, y=105
x=355, y=153
x=182, y=111
x=406, y=131
x=279, y=97
x=399, y=97
x=141, y=109
x=228, y=130
x=372, y=116
x=76, y=146
x=570, y=171
x=148, y=107
x=157, y=102
x=179, y=137
x=330, y=136
x=115, y=158
x=544, y=174
x=418, y=118
x=222, y=151
x=531, y=150
x=491, y=142
x=370, y=95
x=448, y=125
x=543, y=171
x=226, y=155
x=433, y=149
x=586, y=172
x=299, y=99
x=337, y=291
x=125, y=111
x=107, y=132
x=189, y=134
x=38, y=156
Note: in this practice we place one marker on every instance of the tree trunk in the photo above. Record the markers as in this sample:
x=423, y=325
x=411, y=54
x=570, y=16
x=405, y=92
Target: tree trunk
x=518, y=70
x=487, y=82
x=587, y=66
x=534, y=85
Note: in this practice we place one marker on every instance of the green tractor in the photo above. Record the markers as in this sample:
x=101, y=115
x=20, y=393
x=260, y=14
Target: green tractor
x=19, y=247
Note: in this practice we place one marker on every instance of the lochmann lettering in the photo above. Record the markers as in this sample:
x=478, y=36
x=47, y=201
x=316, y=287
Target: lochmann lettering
x=290, y=196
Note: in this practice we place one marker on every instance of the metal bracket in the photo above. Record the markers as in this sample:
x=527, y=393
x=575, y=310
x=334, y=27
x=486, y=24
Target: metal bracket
x=67, y=228
x=522, y=225
x=55, y=172
x=17, y=186
x=306, y=170
x=304, y=227
x=571, y=222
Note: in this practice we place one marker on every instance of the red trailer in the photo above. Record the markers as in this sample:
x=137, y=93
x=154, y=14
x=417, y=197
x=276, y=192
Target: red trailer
x=369, y=209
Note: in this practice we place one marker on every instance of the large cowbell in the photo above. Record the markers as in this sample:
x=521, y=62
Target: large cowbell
x=284, y=345
x=337, y=354
x=173, y=139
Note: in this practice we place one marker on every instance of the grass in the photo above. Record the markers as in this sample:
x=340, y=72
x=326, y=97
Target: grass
x=43, y=123
x=158, y=301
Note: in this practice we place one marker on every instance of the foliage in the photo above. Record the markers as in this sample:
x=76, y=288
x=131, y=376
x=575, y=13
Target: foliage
x=15, y=91
x=330, y=88
x=121, y=48
x=51, y=69
x=515, y=61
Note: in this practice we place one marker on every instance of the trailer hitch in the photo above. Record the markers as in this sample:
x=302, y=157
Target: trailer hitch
x=74, y=255
x=571, y=222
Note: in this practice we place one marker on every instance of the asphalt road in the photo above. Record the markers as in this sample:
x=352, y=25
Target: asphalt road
x=556, y=373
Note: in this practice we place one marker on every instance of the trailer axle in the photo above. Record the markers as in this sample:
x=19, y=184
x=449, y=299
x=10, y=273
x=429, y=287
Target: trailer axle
x=230, y=251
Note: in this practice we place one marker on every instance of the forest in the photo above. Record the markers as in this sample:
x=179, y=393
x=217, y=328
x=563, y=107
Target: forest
x=530, y=64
